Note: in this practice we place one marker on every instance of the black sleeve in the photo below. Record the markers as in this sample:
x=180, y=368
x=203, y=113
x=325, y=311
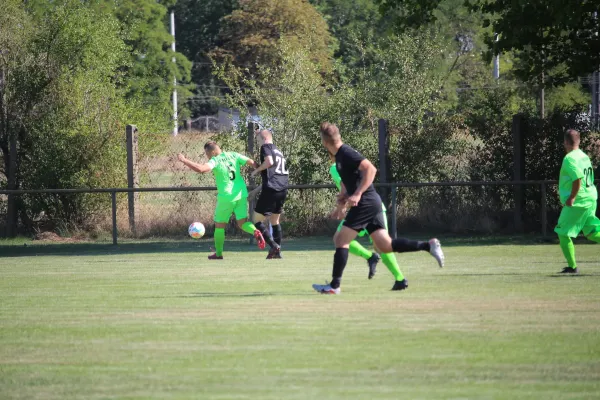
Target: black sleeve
x=265, y=151
x=262, y=154
x=352, y=158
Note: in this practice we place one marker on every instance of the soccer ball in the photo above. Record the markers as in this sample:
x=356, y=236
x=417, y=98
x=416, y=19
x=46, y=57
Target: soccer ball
x=196, y=230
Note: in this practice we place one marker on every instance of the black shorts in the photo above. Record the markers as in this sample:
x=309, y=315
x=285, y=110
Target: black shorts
x=270, y=201
x=366, y=216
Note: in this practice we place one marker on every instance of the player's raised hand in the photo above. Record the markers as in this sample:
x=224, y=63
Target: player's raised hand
x=353, y=200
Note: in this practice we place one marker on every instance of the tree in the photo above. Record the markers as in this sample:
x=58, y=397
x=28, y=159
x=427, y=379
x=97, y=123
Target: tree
x=144, y=28
x=251, y=35
x=151, y=70
x=557, y=36
x=64, y=107
x=353, y=23
x=198, y=23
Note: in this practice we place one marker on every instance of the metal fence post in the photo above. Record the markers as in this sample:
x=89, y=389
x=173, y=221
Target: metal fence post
x=11, y=207
x=383, y=143
x=113, y=196
x=133, y=180
x=518, y=170
x=393, y=230
x=544, y=211
x=251, y=179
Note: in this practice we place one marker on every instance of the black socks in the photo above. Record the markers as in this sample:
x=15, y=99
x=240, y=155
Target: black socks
x=265, y=232
x=277, y=234
x=403, y=245
x=340, y=259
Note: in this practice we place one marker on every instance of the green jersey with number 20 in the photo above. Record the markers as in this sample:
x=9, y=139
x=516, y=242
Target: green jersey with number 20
x=228, y=177
x=577, y=165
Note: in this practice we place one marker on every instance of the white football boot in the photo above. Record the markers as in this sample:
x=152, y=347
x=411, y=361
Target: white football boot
x=435, y=249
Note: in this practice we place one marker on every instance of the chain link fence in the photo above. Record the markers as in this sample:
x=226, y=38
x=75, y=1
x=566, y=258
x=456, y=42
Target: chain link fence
x=461, y=208
x=169, y=196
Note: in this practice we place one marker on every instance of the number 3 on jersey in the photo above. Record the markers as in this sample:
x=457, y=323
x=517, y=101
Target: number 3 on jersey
x=280, y=166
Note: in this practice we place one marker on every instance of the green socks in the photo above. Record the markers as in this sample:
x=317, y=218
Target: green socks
x=358, y=250
x=389, y=259
x=568, y=249
x=219, y=241
x=249, y=227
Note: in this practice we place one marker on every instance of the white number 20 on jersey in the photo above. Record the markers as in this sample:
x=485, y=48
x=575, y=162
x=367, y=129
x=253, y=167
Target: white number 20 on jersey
x=280, y=166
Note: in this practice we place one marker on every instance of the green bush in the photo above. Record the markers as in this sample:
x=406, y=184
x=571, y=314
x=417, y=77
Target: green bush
x=65, y=104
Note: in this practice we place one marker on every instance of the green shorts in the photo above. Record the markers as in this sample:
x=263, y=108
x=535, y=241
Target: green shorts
x=364, y=232
x=224, y=209
x=573, y=220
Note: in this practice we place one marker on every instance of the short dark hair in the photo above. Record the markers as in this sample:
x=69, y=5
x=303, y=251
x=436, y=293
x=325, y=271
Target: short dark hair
x=210, y=145
x=572, y=137
x=330, y=132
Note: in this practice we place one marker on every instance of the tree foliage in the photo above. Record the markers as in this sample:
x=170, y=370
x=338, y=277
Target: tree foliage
x=555, y=35
x=352, y=23
x=400, y=85
x=198, y=23
x=64, y=103
x=150, y=71
x=558, y=36
x=250, y=36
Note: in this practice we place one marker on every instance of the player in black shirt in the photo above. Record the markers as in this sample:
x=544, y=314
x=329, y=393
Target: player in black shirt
x=357, y=175
x=273, y=191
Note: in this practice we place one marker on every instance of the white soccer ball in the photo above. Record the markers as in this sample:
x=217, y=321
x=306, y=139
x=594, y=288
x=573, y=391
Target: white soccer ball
x=196, y=230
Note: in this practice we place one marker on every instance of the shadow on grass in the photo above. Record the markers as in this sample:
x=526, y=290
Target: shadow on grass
x=25, y=248
x=32, y=248
x=232, y=294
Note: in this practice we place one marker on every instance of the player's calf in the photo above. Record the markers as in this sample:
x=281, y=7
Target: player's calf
x=266, y=235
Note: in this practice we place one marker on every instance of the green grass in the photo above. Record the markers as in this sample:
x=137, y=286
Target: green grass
x=158, y=321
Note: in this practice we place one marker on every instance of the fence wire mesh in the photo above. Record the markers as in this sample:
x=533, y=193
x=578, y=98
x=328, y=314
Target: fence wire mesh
x=464, y=209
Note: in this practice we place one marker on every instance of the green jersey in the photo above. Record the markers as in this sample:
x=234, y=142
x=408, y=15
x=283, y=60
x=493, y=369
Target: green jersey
x=577, y=165
x=337, y=179
x=228, y=177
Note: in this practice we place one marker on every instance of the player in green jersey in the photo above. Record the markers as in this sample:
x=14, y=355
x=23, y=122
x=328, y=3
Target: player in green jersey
x=232, y=194
x=356, y=248
x=579, y=197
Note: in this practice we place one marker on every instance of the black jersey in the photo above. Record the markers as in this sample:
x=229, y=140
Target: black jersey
x=276, y=176
x=347, y=161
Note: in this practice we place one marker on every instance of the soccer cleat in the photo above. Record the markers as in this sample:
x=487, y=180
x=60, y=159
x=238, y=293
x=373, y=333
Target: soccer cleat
x=435, y=249
x=274, y=253
x=372, y=261
x=260, y=240
x=326, y=289
x=400, y=285
x=215, y=257
x=569, y=270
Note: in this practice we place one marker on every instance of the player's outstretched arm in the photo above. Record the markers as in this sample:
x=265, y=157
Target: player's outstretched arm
x=202, y=168
x=268, y=163
x=251, y=163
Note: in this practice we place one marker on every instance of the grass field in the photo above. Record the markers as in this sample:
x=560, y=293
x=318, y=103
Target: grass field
x=158, y=321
